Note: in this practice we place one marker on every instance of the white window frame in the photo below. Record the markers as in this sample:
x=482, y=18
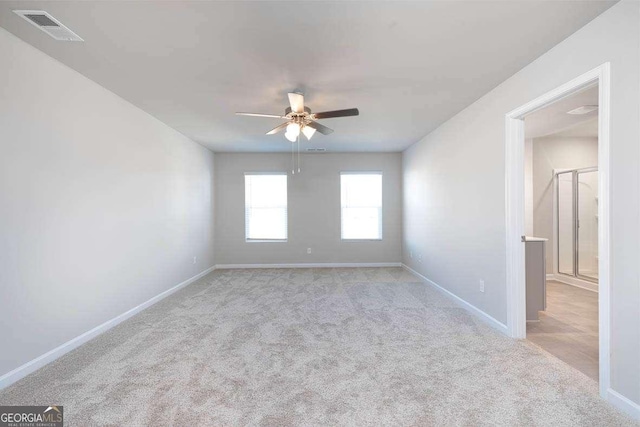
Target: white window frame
x=246, y=238
x=381, y=205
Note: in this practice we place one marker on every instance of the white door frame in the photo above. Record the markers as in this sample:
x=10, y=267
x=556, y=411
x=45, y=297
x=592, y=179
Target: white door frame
x=515, y=211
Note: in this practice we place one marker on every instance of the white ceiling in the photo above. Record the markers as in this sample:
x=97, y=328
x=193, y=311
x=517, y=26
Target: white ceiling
x=587, y=129
x=554, y=118
x=408, y=66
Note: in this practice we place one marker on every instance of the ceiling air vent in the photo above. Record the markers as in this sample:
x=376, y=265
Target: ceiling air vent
x=585, y=109
x=48, y=24
x=316, y=150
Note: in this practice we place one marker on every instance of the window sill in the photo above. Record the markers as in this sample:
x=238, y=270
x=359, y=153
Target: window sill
x=361, y=240
x=265, y=241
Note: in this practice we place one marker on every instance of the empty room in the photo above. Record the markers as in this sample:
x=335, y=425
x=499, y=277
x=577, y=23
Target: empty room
x=276, y=213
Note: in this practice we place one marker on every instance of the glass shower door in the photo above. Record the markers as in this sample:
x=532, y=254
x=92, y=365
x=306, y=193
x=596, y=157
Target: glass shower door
x=587, y=206
x=566, y=225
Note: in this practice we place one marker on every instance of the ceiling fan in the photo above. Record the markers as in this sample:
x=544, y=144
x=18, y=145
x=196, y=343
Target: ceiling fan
x=301, y=119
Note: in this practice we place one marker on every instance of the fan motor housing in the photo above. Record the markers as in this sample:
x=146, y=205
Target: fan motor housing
x=287, y=111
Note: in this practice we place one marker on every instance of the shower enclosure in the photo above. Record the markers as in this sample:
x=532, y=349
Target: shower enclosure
x=577, y=223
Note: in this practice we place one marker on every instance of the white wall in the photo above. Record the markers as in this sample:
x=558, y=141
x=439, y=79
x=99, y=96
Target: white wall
x=313, y=209
x=102, y=207
x=454, y=184
x=549, y=153
x=528, y=187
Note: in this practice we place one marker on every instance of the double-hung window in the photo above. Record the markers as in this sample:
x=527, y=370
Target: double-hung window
x=361, y=203
x=265, y=207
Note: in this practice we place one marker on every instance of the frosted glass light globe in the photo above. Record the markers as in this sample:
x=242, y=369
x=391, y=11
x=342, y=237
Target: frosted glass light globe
x=293, y=128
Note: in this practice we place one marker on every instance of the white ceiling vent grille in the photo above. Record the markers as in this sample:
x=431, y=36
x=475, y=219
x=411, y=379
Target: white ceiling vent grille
x=316, y=150
x=48, y=24
x=585, y=109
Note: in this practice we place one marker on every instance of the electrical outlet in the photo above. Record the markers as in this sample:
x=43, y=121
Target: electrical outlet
x=481, y=285
x=419, y=257
x=195, y=259
x=411, y=254
x=308, y=250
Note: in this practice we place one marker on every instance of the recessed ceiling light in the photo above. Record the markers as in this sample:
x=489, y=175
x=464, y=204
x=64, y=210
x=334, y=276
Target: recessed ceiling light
x=50, y=25
x=583, y=110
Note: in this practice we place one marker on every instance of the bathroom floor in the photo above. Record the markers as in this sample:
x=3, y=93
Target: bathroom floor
x=568, y=329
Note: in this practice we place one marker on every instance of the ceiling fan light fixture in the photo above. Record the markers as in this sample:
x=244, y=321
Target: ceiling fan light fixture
x=300, y=119
x=308, y=131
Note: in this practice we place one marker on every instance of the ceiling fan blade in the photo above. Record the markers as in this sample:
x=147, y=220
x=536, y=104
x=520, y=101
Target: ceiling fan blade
x=308, y=132
x=320, y=128
x=275, y=116
x=337, y=113
x=278, y=128
x=297, y=102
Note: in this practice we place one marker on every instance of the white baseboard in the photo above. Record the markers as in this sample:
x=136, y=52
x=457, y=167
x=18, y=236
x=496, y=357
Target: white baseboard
x=574, y=281
x=470, y=307
x=550, y=276
x=310, y=265
x=37, y=363
x=624, y=404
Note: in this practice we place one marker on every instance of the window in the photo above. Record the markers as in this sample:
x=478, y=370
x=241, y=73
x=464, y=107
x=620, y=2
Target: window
x=265, y=207
x=361, y=195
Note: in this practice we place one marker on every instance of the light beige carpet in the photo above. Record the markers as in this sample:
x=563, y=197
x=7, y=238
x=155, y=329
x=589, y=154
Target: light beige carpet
x=312, y=347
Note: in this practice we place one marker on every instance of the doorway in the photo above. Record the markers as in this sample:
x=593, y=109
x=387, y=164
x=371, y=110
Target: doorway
x=561, y=201
x=516, y=219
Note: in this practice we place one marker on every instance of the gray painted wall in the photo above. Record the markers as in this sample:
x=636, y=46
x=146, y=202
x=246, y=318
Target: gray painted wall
x=454, y=184
x=102, y=206
x=313, y=209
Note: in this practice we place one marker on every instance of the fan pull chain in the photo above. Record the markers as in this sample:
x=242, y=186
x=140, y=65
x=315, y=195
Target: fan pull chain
x=293, y=161
x=298, y=153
